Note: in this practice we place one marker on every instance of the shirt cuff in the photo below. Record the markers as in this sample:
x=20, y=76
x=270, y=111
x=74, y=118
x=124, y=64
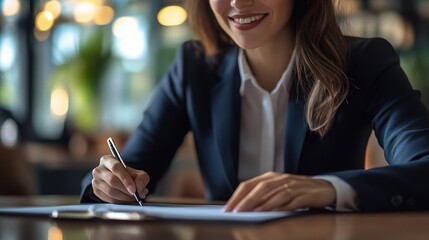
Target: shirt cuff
x=346, y=195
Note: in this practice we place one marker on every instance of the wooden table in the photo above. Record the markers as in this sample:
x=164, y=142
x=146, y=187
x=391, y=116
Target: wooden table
x=390, y=226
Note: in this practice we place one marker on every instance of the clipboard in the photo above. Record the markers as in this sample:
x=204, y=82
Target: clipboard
x=147, y=212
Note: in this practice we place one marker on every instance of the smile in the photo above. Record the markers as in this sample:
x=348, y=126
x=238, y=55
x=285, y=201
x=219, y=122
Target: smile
x=248, y=20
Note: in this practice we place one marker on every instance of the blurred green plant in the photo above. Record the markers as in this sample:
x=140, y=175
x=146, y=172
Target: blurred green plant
x=416, y=66
x=82, y=75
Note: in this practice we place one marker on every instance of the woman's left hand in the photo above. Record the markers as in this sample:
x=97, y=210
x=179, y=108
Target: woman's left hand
x=281, y=192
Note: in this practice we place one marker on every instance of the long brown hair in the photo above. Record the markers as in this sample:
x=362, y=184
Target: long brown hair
x=321, y=52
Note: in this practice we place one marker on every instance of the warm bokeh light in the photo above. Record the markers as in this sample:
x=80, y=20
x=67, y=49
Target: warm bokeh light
x=54, y=7
x=104, y=15
x=172, y=16
x=59, y=102
x=55, y=233
x=95, y=2
x=84, y=12
x=44, y=20
x=10, y=7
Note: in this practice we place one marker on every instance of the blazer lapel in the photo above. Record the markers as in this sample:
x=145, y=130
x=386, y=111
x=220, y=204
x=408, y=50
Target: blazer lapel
x=226, y=111
x=296, y=128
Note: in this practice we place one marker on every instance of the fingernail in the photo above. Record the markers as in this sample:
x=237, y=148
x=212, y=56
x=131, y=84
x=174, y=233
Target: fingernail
x=237, y=209
x=143, y=193
x=227, y=209
x=130, y=189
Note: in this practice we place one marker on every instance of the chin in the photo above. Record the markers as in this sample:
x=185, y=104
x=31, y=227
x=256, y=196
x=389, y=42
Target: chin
x=247, y=45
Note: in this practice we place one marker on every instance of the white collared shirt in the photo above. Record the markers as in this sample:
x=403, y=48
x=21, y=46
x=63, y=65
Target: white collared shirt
x=262, y=126
x=262, y=129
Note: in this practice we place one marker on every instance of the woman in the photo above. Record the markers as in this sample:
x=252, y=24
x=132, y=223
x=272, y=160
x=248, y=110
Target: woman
x=279, y=100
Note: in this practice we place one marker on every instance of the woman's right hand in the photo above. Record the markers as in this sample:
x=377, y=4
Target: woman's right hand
x=112, y=183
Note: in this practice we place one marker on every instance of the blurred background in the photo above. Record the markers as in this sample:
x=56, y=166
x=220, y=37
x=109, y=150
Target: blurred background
x=74, y=72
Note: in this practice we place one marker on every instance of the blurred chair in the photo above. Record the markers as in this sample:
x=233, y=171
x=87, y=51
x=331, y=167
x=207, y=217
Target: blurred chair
x=9, y=128
x=15, y=172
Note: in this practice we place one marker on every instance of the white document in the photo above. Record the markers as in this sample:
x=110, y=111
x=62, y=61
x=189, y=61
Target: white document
x=147, y=212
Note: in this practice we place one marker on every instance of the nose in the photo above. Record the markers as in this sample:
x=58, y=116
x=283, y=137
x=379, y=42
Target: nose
x=241, y=3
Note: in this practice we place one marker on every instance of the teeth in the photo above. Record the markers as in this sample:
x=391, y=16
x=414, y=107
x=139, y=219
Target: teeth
x=249, y=19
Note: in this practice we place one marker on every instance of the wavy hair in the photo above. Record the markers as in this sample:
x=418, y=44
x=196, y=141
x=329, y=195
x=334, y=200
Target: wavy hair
x=321, y=54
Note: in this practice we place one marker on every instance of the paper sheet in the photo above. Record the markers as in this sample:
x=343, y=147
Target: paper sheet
x=126, y=212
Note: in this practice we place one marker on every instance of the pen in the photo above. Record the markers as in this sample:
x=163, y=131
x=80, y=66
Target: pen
x=116, y=154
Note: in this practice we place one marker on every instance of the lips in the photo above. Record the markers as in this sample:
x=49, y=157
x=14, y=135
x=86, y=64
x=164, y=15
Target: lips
x=247, y=21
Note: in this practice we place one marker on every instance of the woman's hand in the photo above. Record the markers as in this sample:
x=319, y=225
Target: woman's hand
x=281, y=192
x=112, y=183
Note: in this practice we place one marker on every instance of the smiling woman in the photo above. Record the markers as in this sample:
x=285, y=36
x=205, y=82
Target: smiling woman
x=253, y=24
x=281, y=105
x=310, y=29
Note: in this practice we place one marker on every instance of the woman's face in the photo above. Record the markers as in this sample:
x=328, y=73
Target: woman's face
x=253, y=23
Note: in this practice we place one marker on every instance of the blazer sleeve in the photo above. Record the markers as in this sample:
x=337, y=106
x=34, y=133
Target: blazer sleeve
x=401, y=124
x=152, y=146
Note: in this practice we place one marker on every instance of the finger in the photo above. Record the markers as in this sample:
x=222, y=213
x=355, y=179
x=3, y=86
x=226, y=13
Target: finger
x=106, y=198
x=243, y=190
x=103, y=174
x=297, y=202
x=102, y=190
x=263, y=191
x=267, y=188
x=311, y=197
x=116, y=167
x=142, y=190
x=143, y=193
x=277, y=199
x=235, y=199
x=141, y=178
x=308, y=200
x=116, y=195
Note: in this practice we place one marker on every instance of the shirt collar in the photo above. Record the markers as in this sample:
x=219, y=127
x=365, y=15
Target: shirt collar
x=247, y=75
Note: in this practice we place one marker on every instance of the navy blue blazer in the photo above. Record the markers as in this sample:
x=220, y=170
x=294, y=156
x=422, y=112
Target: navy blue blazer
x=201, y=95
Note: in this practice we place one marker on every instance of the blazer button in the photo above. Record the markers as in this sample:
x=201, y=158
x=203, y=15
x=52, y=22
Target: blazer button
x=397, y=200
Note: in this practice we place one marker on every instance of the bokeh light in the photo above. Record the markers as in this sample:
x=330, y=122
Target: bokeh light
x=10, y=7
x=130, y=42
x=44, y=20
x=54, y=7
x=172, y=16
x=59, y=102
x=84, y=12
x=104, y=15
